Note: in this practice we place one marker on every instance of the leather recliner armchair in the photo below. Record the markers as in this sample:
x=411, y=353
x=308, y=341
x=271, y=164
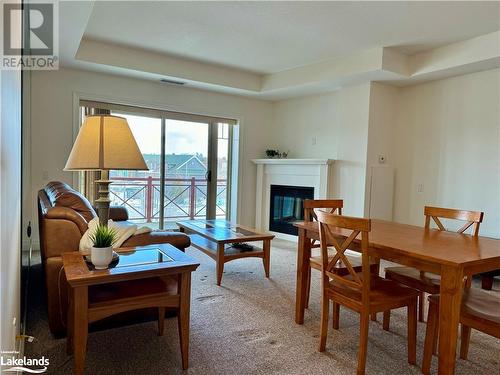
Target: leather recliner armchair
x=63, y=214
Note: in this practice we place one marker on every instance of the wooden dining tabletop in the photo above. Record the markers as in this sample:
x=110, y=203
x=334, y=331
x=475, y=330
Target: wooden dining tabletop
x=450, y=254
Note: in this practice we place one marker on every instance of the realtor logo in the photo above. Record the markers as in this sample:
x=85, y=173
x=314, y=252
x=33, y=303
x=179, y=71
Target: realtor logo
x=11, y=363
x=29, y=35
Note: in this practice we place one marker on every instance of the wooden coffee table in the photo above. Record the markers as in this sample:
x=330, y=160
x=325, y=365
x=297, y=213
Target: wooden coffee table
x=143, y=277
x=219, y=239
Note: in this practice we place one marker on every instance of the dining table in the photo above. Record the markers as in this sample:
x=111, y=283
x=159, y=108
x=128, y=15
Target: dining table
x=451, y=255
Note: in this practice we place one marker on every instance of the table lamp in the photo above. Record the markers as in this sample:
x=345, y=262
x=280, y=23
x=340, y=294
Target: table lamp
x=105, y=142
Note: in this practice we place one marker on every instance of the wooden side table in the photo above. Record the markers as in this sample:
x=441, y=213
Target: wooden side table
x=144, y=277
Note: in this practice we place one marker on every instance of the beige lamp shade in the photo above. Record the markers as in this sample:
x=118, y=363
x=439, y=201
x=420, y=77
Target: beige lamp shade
x=103, y=143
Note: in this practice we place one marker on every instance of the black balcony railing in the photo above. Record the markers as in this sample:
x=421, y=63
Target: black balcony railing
x=184, y=198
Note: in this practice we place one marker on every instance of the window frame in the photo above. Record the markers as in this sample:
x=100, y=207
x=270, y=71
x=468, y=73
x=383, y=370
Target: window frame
x=212, y=165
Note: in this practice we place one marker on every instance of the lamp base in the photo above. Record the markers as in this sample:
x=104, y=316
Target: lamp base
x=102, y=203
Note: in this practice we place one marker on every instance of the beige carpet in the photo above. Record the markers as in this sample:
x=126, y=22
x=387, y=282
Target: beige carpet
x=247, y=326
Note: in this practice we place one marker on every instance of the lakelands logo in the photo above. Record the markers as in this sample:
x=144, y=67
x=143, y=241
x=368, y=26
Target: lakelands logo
x=30, y=35
x=11, y=363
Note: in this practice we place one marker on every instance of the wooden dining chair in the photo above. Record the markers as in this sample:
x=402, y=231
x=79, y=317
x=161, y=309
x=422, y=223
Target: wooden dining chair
x=427, y=282
x=333, y=206
x=363, y=291
x=480, y=311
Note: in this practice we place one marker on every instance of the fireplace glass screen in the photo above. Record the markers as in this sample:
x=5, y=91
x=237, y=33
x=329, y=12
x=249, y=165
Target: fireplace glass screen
x=287, y=207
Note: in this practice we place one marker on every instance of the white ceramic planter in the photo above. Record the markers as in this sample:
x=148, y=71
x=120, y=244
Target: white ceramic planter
x=101, y=257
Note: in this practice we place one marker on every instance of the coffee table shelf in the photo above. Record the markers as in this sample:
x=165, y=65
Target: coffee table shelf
x=215, y=238
x=210, y=248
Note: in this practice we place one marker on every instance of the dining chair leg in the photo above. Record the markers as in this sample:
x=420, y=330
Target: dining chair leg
x=412, y=333
x=430, y=337
x=387, y=320
x=336, y=315
x=377, y=272
x=325, y=304
x=435, y=342
x=308, y=287
x=421, y=304
x=486, y=282
x=364, y=322
x=464, y=344
x=161, y=320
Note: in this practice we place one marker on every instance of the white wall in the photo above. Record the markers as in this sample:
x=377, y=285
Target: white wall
x=52, y=121
x=443, y=134
x=300, y=122
x=448, y=139
x=379, y=187
x=338, y=125
x=10, y=206
x=383, y=107
x=350, y=167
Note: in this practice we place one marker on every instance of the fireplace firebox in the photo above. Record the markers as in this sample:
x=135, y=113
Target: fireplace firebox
x=287, y=207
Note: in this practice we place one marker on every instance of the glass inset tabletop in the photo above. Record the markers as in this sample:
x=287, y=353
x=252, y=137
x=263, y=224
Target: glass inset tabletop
x=135, y=258
x=220, y=230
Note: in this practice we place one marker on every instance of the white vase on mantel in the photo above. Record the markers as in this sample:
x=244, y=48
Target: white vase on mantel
x=101, y=257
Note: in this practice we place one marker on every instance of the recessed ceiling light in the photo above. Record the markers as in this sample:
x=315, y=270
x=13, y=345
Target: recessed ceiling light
x=172, y=82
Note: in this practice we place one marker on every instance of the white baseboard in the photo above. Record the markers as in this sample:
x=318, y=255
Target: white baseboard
x=286, y=237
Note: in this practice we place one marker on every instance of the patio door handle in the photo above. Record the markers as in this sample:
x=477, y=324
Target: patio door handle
x=208, y=176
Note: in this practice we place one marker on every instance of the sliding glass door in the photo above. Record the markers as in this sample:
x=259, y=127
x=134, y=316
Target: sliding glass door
x=139, y=191
x=187, y=166
x=189, y=169
x=223, y=161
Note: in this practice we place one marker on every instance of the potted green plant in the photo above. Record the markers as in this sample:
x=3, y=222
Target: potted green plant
x=101, y=252
x=272, y=153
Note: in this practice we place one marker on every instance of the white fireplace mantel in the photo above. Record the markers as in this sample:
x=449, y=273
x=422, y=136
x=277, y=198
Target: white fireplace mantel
x=294, y=161
x=316, y=173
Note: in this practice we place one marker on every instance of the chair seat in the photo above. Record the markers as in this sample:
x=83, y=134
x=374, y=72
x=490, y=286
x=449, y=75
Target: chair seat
x=478, y=304
x=382, y=291
x=340, y=268
x=424, y=281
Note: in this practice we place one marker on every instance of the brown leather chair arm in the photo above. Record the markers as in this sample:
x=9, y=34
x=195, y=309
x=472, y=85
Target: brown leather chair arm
x=57, y=295
x=65, y=213
x=177, y=239
x=118, y=213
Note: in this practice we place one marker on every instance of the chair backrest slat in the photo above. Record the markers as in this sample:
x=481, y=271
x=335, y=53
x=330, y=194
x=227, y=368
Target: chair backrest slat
x=472, y=218
x=352, y=228
x=332, y=205
x=343, y=280
x=328, y=205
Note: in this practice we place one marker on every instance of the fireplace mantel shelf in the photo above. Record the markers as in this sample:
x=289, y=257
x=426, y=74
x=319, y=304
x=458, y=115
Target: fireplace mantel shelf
x=294, y=161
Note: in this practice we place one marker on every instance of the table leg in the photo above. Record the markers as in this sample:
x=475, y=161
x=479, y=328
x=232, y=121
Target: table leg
x=219, y=262
x=80, y=327
x=70, y=323
x=303, y=255
x=183, y=318
x=161, y=320
x=267, y=256
x=449, y=317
